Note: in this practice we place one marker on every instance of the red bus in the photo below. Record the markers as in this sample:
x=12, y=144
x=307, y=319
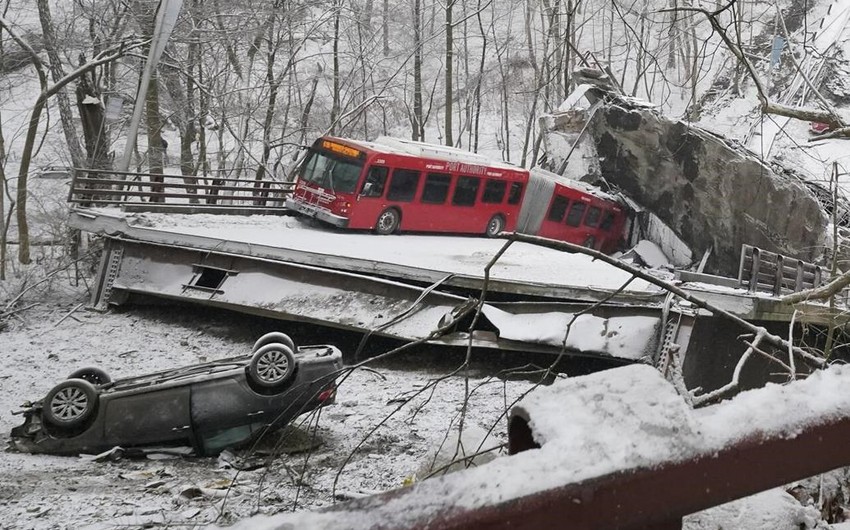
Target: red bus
x=561, y=208
x=391, y=184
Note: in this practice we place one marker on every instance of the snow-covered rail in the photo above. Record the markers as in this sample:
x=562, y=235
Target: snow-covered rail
x=218, y=193
x=619, y=449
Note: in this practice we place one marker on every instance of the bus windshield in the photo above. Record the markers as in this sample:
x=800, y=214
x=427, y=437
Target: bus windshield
x=332, y=173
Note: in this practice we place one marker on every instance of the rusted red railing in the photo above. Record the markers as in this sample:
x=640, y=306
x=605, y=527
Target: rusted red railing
x=656, y=494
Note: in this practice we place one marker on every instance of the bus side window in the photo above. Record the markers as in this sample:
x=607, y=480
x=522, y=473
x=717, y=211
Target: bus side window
x=608, y=220
x=515, y=193
x=593, y=215
x=403, y=185
x=576, y=213
x=558, y=209
x=436, y=188
x=466, y=190
x=375, y=181
x=494, y=191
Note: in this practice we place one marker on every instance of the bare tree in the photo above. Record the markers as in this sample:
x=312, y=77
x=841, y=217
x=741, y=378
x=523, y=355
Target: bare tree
x=418, y=123
x=4, y=225
x=57, y=72
x=733, y=44
x=449, y=66
x=47, y=91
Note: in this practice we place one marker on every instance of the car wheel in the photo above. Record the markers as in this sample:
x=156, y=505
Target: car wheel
x=93, y=375
x=274, y=336
x=70, y=403
x=272, y=366
x=387, y=222
x=495, y=226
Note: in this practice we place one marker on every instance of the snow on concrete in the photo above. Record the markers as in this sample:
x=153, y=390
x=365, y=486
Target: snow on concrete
x=651, y=254
x=448, y=254
x=627, y=337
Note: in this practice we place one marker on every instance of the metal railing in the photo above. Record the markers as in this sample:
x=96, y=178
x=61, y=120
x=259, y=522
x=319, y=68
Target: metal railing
x=151, y=192
x=761, y=270
x=656, y=494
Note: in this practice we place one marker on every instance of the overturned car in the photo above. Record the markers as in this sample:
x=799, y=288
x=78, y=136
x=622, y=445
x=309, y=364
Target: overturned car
x=207, y=406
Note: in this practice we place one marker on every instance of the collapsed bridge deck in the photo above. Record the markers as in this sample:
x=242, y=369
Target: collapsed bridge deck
x=405, y=286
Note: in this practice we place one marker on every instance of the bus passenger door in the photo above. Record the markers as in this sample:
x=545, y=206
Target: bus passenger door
x=370, y=198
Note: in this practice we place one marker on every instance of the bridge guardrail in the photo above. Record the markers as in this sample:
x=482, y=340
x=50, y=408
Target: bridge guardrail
x=147, y=191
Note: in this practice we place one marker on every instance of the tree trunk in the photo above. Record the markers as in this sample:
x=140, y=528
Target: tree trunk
x=335, y=105
x=23, y=173
x=449, y=72
x=56, y=71
x=92, y=116
x=154, y=132
x=3, y=225
x=418, y=126
x=476, y=100
x=274, y=85
x=386, y=28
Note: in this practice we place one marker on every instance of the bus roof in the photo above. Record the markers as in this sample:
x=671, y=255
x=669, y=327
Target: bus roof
x=398, y=146
x=589, y=189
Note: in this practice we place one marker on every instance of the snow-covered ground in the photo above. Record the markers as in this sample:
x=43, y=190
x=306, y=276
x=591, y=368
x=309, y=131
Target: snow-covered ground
x=46, y=342
x=43, y=347
x=50, y=340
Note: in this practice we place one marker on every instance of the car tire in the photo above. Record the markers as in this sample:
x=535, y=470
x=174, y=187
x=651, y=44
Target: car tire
x=93, y=375
x=274, y=336
x=70, y=403
x=495, y=226
x=387, y=223
x=272, y=366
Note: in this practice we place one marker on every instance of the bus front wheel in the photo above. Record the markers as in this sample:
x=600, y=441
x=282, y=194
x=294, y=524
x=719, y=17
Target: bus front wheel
x=495, y=226
x=387, y=222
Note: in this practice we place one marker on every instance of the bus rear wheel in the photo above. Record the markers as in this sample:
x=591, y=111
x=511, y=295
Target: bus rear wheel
x=494, y=226
x=387, y=222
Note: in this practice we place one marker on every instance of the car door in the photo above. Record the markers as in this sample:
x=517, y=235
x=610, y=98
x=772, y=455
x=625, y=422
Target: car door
x=148, y=417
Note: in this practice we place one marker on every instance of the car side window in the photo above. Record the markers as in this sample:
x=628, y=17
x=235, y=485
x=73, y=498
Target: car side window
x=375, y=181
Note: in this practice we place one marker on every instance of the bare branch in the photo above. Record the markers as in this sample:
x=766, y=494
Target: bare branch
x=768, y=107
x=819, y=293
x=757, y=330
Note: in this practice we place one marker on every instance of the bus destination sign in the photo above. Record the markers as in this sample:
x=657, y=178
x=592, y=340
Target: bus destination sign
x=341, y=149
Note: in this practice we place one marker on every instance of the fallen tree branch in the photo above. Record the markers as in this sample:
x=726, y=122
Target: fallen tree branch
x=818, y=293
x=768, y=107
x=13, y=312
x=68, y=314
x=736, y=376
